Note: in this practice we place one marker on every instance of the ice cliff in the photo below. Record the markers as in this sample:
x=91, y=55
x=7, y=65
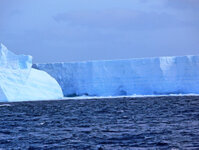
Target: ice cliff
x=20, y=82
x=145, y=76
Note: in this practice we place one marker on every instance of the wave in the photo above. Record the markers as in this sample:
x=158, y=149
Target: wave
x=129, y=96
x=5, y=105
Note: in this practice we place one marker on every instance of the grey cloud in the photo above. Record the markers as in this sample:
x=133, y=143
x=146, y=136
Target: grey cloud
x=119, y=19
x=184, y=4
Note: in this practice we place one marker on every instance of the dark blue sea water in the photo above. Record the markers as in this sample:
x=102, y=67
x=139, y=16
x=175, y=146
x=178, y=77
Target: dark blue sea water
x=121, y=123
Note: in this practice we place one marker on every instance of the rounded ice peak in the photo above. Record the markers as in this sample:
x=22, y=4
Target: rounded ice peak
x=3, y=49
x=2, y=46
x=8, y=59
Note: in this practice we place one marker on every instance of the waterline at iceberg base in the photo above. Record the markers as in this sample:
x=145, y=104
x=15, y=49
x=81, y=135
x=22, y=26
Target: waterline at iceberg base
x=142, y=76
x=20, y=82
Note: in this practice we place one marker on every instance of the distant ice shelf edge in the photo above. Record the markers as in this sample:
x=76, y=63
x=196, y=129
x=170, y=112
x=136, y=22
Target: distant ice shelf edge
x=20, y=82
x=142, y=76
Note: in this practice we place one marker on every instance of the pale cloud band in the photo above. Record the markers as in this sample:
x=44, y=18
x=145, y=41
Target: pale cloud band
x=64, y=30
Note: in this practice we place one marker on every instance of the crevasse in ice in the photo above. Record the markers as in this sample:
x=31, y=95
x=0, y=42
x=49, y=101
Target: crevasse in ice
x=20, y=82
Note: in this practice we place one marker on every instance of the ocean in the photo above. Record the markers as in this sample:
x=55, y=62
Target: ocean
x=168, y=122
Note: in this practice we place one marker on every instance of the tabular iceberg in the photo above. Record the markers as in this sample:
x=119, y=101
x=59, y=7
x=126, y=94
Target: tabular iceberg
x=20, y=82
x=144, y=76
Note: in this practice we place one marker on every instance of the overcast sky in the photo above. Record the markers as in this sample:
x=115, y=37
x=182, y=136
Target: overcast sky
x=79, y=30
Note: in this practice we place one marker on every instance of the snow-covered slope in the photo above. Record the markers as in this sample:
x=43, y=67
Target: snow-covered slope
x=145, y=76
x=20, y=82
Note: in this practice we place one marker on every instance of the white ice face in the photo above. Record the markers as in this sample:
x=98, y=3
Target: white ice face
x=145, y=76
x=19, y=82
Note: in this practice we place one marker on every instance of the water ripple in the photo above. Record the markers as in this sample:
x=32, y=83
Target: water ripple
x=122, y=123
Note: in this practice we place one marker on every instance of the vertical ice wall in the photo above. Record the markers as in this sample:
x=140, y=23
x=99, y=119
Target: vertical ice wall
x=145, y=76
